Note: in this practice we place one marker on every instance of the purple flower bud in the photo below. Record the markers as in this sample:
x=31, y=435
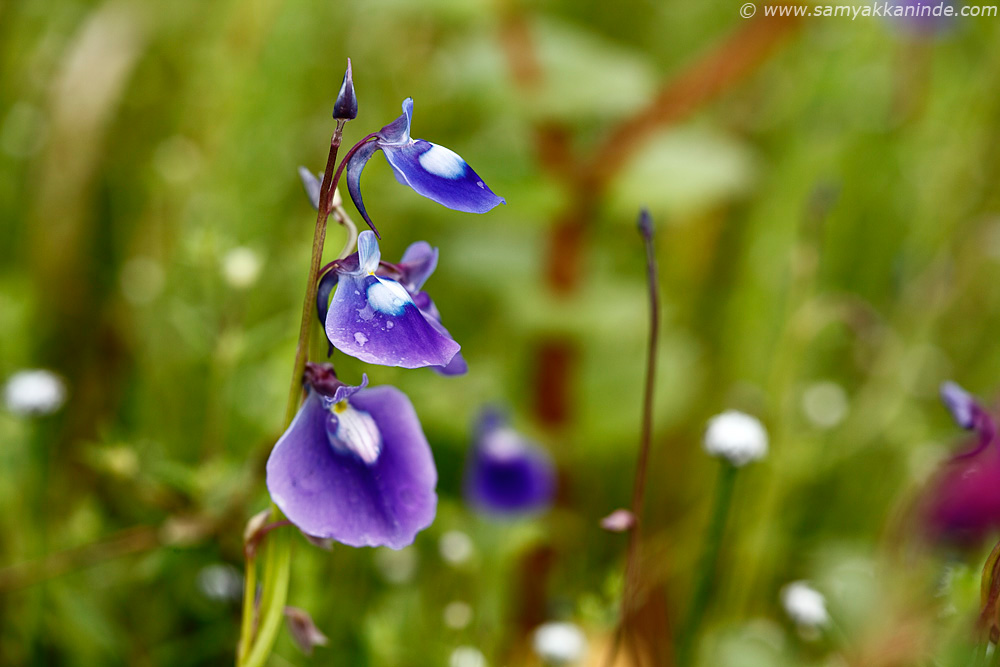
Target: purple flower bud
x=619, y=521
x=346, y=106
x=960, y=403
x=312, y=184
x=304, y=632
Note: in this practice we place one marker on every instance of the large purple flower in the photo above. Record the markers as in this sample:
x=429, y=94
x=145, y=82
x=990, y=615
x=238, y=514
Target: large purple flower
x=354, y=466
x=963, y=502
x=381, y=320
x=431, y=170
x=507, y=475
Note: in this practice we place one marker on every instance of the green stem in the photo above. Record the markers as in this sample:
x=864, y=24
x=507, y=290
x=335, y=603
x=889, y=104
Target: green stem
x=257, y=639
x=705, y=577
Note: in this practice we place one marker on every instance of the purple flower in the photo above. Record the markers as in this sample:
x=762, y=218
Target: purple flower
x=354, y=466
x=963, y=503
x=385, y=321
x=431, y=170
x=923, y=18
x=507, y=475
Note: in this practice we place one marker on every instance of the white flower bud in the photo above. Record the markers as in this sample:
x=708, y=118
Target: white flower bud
x=34, y=392
x=736, y=437
x=804, y=605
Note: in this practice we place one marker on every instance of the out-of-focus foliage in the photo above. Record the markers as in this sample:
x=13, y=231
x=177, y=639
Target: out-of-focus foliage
x=829, y=243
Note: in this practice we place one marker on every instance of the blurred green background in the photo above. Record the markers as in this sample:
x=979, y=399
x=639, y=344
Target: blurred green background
x=829, y=243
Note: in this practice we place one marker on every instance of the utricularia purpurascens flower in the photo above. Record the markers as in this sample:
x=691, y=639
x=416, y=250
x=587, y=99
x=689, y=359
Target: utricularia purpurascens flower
x=431, y=170
x=380, y=313
x=354, y=466
x=962, y=503
x=507, y=475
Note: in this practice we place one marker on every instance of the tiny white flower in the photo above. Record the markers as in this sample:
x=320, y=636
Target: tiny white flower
x=804, y=605
x=736, y=437
x=559, y=643
x=34, y=392
x=456, y=547
x=220, y=582
x=825, y=404
x=467, y=656
x=241, y=267
x=457, y=615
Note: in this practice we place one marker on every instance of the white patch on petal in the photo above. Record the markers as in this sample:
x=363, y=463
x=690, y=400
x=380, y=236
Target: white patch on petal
x=503, y=444
x=388, y=297
x=356, y=432
x=360, y=338
x=442, y=162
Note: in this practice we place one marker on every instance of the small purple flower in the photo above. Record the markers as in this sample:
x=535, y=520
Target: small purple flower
x=431, y=170
x=507, y=475
x=385, y=321
x=354, y=466
x=923, y=18
x=963, y=504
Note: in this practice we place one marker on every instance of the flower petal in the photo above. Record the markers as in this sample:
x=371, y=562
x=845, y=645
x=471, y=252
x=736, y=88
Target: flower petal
x=418, y=263
x=333, y=494
x=312, y=184
x=442, y=175
x=353, y=175
x=375, y=320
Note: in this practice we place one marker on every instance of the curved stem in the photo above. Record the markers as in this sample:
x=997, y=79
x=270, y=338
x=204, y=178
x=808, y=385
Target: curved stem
x=309, y=302
x=633, y=579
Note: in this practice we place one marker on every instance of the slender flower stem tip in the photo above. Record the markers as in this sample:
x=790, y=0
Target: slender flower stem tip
x=346, y=106
x=354, y=466
x=645, y=223
x=736, y=437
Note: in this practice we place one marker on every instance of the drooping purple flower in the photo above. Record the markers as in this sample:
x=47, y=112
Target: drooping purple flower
x=354, y=466
x=431, y=170
x=963, y=500
x=381, y=320
x=507, y=475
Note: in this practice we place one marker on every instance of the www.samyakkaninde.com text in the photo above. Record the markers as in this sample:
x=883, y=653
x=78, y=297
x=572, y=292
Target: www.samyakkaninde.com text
x=918, y=10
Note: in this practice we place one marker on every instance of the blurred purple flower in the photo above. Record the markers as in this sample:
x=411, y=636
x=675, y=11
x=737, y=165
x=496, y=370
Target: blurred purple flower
x=963, y=503
x=354, y=466
x=385, y=321
x=923, y=18
x=507, y=475
x=431, y=170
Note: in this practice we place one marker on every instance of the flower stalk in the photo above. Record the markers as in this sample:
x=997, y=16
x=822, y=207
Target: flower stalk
x=633, y=577
x=259, y=627
x=705, y=576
